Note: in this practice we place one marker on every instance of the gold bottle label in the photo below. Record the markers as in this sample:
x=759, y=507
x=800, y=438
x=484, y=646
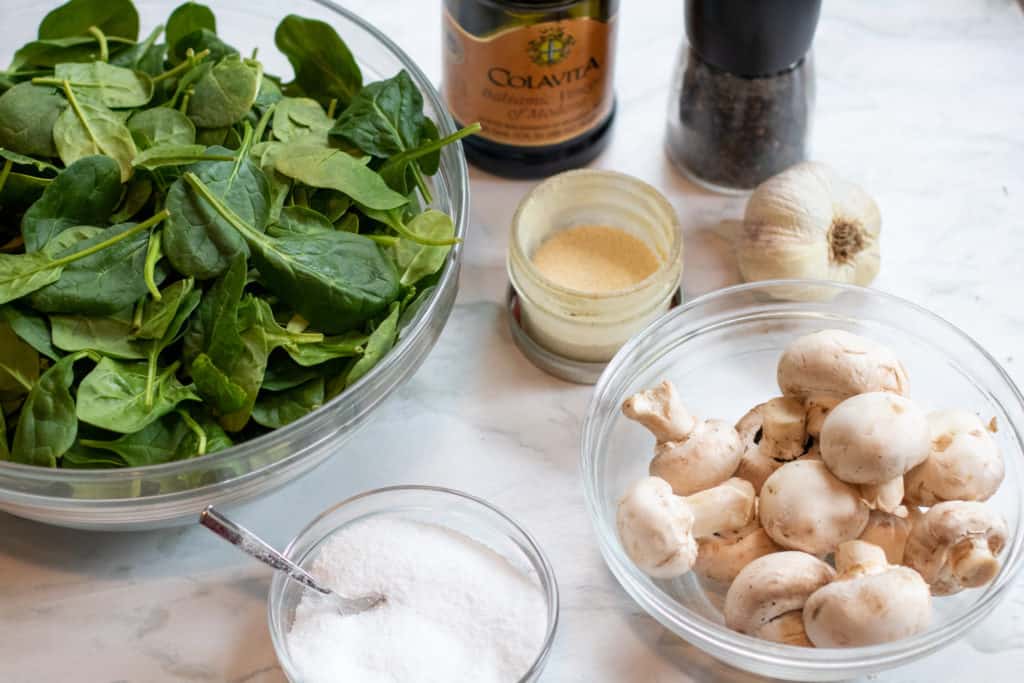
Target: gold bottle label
x=531, y=86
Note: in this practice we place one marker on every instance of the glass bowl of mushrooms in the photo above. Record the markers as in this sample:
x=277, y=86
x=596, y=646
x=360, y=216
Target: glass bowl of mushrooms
x=813, y=490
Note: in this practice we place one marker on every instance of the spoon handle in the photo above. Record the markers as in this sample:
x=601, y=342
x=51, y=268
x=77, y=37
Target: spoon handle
x=253, y=545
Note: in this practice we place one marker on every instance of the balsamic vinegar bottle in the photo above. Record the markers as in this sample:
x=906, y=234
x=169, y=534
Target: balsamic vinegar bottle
x=537, y=75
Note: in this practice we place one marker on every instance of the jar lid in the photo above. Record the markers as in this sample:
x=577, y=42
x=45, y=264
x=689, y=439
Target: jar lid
x=752, y=37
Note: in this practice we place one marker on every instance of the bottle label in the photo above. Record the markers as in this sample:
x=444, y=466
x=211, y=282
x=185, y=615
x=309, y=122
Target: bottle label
x=531, y=86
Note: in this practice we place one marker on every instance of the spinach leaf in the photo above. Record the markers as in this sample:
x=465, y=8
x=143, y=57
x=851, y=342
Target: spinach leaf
x=85, y=193
x=80, y=457
x=283, y=373
x=51, y=52
x=175, y=155
x=324, y=67
x=277, y=336
x=108, y=335
x=199, y=41
x=226, y=93
x=275, y=410
x=171, y=334
x=103, y=283
x=186, y=19
x=32, y=328
x=157, y=316
x=198, y=241
x=397, y=170
x=215, y=387
x=86, y=128
x=161, y=126
x=47, y=426
x=296, y=117
x=27, y=115
x=336, y=280
x=19, y=364
x=246, y=369
x=417, y=261
x=113, y=395
x=347, y=345
x=298, y=220
x=22, y=160
x=146, y=56
x=156, y=443
x=20, y=191
x=76, y=17
x=214, y=327
x=336, y=170
x=140, y=189
x=385, y=118
x=380, y=342
x=111, y=86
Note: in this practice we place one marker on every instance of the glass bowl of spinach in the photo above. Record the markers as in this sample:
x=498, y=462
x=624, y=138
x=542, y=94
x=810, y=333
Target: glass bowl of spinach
x=226, y=236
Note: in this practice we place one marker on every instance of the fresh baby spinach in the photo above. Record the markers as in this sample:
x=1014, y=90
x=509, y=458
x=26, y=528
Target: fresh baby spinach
x=229, y=249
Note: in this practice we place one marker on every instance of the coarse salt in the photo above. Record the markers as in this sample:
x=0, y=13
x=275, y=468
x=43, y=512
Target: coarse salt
x=456, y=610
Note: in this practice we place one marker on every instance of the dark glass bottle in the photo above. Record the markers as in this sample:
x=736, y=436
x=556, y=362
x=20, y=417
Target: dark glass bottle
x=537, y=75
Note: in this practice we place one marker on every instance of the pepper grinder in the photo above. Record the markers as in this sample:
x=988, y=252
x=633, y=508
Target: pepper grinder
x=740, y=109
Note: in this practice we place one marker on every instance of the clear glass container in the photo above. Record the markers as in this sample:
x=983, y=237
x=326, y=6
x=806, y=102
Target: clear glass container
x=458, y=511
x=721, y=352
x=174, y=493
x=586, y=326
x=729, y=133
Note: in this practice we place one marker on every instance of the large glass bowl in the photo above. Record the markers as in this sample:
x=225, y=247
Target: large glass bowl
x=461, y=512
x=721, y=351
x=174, y=493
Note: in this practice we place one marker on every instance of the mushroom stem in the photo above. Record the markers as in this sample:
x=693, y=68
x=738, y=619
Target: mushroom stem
x=726, y=507
x=972, y=562
x=787, y=628
x=660, y=411
x=852, y=556
x=784, y=428
x=887, y=496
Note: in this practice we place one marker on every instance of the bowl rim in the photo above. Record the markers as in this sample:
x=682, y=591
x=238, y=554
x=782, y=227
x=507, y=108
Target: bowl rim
x=280, y=437
x=737, y=648
x=535, y=553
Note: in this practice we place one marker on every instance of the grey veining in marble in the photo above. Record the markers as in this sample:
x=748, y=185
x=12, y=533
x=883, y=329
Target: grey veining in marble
x=920, y=101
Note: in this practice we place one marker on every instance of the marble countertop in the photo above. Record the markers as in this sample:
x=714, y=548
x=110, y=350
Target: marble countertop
x=922, y=102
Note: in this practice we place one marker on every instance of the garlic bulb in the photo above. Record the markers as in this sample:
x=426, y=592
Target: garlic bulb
x=807, y=222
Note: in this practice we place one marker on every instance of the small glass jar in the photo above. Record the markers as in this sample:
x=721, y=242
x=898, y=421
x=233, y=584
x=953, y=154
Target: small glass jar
x=575, y=331
x=742, y=98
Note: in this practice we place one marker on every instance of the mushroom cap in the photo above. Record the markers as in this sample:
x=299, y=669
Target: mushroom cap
x=867, y=604
x=964, y=462
x=755, y=466
x=954, y=545
x=874, y=438
x=804, y=507
x=654, y=527
x=818, y=408
x=708, y=457
x=720, y=557
x=839, y=364
x=771, y=586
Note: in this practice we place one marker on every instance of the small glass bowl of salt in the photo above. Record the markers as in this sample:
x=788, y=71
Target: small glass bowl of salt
x=469, y=593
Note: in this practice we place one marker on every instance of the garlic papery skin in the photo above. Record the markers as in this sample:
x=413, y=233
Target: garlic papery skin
x=808, y=223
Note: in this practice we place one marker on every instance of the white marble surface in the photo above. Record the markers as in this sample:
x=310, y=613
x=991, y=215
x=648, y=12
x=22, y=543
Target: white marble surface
x=923, y=102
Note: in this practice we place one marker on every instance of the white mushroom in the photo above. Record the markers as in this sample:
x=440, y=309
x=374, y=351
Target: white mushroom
x=660, y=410
x=804, y=507
x=955, y=546
x=874, y=438
x=690, y=454
x=659, y=530
x=869, y=602
x=781, y=437
x=722, y=555
x=964, y=462
x=837, y=364
x=887, y=497
x=889, y=532
x=769, y=590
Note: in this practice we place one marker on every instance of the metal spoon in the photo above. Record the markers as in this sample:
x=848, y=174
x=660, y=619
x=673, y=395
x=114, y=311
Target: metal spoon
x=253, y=545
